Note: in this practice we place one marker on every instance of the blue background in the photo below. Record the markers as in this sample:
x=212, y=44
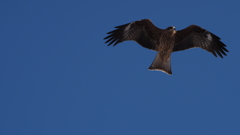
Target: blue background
x=58, y=77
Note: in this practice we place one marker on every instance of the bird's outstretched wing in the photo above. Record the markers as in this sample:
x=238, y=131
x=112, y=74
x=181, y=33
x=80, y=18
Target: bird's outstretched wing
x=143, y=32
x=195, y=36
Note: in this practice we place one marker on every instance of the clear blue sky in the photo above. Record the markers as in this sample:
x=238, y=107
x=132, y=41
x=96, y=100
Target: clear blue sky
x=57, y=77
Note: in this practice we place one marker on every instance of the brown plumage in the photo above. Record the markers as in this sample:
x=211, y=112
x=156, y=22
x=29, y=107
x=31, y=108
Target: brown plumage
x=166, y=41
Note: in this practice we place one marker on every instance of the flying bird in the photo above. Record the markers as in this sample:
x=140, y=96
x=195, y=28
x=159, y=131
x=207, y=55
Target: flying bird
x=166, y=41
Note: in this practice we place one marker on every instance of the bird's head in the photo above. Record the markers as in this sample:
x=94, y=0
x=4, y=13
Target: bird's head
x=171, y=28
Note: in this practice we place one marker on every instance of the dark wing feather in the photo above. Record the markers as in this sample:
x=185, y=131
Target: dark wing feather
x=195, y=36
x=143, y=32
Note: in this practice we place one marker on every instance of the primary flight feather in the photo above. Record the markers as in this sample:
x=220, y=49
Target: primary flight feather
x=166, y=41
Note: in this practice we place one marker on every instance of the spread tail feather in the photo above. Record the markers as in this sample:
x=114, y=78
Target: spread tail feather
x=158, y=64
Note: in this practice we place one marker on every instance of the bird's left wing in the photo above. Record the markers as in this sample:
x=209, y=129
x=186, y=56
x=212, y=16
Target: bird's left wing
x=195, y=36
x=143, y=32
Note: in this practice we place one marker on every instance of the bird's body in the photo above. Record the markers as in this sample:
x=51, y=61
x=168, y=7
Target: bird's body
x=164, y=48
x=166, y=41
x=166, y=44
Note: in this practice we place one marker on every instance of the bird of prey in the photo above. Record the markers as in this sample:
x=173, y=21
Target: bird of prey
x=166, y=41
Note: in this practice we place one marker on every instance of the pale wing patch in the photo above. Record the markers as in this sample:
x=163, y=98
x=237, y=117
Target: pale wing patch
x=209, y=37
x=128, y=27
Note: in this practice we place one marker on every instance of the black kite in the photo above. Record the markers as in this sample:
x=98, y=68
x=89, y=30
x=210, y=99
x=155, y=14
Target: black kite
x=166, y=41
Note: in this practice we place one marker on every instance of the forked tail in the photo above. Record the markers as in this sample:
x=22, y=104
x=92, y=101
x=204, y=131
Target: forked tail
x=158, y=64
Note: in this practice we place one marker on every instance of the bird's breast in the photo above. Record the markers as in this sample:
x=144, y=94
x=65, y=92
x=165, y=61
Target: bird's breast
x=166, y=45
x=166, y=42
